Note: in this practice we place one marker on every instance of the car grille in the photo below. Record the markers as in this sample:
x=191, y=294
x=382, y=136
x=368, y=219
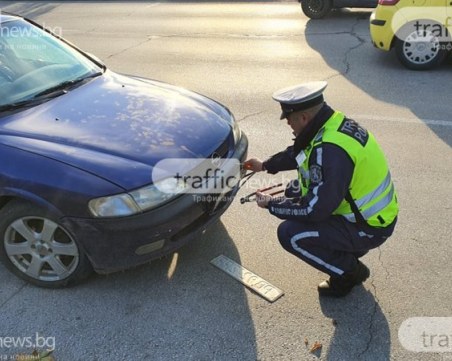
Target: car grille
x=222, y=151
x=214, y=202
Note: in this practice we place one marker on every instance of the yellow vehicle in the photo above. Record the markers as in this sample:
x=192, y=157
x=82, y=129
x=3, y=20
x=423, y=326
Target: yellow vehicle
x=418, y=30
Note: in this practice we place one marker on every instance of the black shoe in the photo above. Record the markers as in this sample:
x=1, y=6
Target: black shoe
x=341, y=286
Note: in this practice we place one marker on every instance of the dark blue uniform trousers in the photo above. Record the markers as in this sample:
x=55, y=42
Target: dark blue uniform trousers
x=332, y=246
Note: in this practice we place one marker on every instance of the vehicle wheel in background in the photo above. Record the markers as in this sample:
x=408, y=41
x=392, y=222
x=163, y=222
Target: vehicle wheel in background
x=316, y=9
x=420, y=49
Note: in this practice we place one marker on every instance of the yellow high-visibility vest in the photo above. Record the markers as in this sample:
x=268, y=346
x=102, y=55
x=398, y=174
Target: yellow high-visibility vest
x=371, y=187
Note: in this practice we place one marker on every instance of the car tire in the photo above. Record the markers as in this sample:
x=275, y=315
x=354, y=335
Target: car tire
x=38, y=248
x=316, y=9
x=419, y=49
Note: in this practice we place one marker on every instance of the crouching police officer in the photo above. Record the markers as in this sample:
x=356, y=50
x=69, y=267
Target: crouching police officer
x=345, y=203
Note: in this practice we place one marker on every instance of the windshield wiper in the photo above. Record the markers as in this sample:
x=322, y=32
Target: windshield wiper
x=66, y=85
x=17, y=105
x=51, y=92
x=34, y=100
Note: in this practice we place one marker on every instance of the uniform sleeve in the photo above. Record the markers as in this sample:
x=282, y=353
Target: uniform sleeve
x=281, y=161
x=330, y=171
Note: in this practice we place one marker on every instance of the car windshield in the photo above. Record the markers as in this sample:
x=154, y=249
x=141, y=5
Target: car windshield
x=35, y=65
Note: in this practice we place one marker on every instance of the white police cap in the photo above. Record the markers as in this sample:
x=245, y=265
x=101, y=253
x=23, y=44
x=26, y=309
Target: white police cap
x=300, y=97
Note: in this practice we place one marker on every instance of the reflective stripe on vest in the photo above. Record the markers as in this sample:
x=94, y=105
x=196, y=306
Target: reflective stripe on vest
x=377, y=207
x=362, y=202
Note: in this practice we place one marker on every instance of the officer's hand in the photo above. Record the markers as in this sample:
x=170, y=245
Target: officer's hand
x=262, y=199
x=253, y=164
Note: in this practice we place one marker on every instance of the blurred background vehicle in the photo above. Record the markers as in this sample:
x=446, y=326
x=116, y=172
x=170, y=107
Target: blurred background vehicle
x=418, y=31
x=317, y=9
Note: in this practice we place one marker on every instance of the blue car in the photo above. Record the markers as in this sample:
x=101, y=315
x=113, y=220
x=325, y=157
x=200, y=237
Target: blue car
x=78, y=144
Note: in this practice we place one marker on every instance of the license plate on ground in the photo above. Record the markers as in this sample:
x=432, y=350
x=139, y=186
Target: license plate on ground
x=248, y=278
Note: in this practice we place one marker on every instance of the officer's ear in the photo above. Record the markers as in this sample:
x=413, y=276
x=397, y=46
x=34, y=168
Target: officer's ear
x=305, y=117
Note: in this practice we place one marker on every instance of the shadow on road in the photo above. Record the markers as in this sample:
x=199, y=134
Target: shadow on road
x=180, y=307
x=30, y=9
x=345, y=46
x=361, y=328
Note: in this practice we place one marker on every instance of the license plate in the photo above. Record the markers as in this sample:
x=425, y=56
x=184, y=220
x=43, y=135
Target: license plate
x=248, y=278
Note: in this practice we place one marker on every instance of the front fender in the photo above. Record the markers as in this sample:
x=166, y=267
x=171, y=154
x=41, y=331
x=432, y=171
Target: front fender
x=51, y=184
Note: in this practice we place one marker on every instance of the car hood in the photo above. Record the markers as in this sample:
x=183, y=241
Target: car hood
x=118, y=127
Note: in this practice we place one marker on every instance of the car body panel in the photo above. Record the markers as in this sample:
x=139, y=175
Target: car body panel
x=355, y=3
x=49, y=183
x=115, y=124
x=381, y=31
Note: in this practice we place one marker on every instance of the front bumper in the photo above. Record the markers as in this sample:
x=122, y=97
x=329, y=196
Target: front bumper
x=115, y=244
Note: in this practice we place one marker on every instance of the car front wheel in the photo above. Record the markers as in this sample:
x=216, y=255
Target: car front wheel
x=420, y=49
x=38, y=248
x=316, y=9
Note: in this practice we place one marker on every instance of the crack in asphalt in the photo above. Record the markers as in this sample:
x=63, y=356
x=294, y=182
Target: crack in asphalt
x=361, y=42
x=381, y=263
x=374, y=311
x=154, y=37
x=224, y=35
x=13, y=295
x=371, y=322
x=250, y=115
x=346, y=60
x=128, y=48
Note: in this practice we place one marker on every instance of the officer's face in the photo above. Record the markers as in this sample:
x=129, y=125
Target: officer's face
x=297, y=121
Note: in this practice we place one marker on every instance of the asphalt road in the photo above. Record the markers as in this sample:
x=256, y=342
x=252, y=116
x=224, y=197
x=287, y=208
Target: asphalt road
x=183, y=308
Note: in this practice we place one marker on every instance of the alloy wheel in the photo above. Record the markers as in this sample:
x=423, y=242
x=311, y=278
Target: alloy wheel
x=41, y=249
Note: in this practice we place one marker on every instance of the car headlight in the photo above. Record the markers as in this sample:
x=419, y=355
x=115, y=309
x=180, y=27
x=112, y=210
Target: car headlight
x=236, y=131
x=229, y=117
x=137, y=201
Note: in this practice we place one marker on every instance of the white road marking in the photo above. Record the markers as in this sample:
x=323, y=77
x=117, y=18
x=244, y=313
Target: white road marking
x=444, y=123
